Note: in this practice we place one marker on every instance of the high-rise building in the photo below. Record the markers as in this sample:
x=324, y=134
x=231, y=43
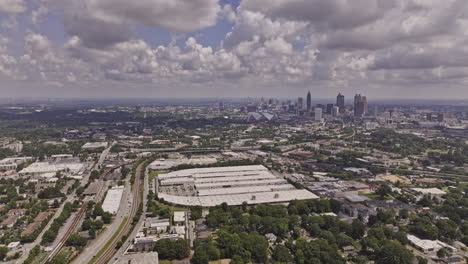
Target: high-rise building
x=329, y=109
x=309, y=101
x=365, y=105
x=360, y=103
x=300, y=103
x=335, y=111
x=318, y=114
x=429, y=116
x=340, y=102
x=440, y=117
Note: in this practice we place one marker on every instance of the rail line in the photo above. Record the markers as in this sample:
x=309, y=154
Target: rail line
x=76, y=221
x=137, y=191
x=67, y=234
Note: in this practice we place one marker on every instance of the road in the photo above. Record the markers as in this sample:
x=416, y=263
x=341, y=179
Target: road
x=138, y=226
x=136, y=201
x=71, y=229
x=37, y=241
x=94, y=246
x=104, y=154
x=70, y=198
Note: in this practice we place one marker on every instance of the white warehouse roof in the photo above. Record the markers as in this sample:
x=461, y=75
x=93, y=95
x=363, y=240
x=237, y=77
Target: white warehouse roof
x=234, y=185
x=112, y=202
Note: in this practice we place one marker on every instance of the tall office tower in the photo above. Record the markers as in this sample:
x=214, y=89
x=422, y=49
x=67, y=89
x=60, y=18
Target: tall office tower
x=329, y=109
x=365, y=106
x=318, y=114
x=429, y=117
x=309, y=101
x=340, y=102
x=300, y=103
x=335, y=111
x=358, y=105
x=440, y=117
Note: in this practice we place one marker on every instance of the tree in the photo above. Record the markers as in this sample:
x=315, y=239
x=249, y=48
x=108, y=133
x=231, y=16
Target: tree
x=98, y=211
x=172, y=249
x=282, y=254
x=94, y=175
x=200, y=256
x=358, y=229
x=421, y=260
x=3, y=252
x=107, y=217
x=237, y=260
x=443, y=252
x=87, y=224
x=392, y=252
x=404, y=213
x=75, y=240
x=383, y=191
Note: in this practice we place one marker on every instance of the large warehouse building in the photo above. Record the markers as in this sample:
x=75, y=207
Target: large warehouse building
x=111, y=203
x=233, y=185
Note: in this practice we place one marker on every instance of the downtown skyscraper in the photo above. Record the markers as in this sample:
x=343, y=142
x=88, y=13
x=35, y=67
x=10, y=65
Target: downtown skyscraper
x=340, y=102
x=360, y=105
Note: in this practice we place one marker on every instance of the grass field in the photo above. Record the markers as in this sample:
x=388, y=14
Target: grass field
x=107, y=245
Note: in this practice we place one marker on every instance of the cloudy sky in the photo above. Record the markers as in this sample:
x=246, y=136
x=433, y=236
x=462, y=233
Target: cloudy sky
x=211, y=48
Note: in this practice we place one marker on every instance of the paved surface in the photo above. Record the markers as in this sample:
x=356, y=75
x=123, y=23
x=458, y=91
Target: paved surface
x=29, y=246
x=94, y=246
x=123, y=249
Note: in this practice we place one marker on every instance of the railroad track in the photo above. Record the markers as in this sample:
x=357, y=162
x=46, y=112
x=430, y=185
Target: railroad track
x=109, y=170
x=76, y=221
x=137, y=191
x=67, y=234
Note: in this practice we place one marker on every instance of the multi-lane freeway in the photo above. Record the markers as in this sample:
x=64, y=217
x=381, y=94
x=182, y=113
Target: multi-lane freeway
x=137, y=192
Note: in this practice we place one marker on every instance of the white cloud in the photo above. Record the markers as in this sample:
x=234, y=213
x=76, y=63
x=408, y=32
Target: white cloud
x=12, y=6
x=105, y=22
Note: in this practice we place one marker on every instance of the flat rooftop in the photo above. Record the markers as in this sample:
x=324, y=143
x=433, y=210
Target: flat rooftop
x=111, y=203
x=234, y=185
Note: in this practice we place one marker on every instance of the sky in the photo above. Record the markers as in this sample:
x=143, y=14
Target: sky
x=395, y=49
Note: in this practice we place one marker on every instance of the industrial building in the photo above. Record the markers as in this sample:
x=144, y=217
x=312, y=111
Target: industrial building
x=208, y=187
x=164, y=164
x=94, y=145
x=111, y=203
x=47, y=168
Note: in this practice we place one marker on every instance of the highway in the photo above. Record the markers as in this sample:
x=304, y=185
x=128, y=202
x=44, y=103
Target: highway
x=136, y=201
x=70, y=198
x=78, y=217
x=100, y=241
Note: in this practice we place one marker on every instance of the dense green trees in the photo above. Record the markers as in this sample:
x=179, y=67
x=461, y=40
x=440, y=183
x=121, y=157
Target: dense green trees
x=50, y=235
x=315, y=252
x=172, y=249
x=358, y=229
x=392, y=252
x=282, y=254
x=50, y=192
x=75, y=240
x=205, y=251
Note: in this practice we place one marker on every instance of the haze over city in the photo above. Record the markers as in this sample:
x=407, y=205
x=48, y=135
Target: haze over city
x=209, y=48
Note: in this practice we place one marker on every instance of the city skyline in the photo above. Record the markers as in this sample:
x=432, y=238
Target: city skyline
x=210, y=48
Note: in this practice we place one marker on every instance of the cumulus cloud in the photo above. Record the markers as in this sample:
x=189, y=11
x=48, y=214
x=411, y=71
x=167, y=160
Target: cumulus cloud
x=12, y=6
x=106, y=22
x=273, y=45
